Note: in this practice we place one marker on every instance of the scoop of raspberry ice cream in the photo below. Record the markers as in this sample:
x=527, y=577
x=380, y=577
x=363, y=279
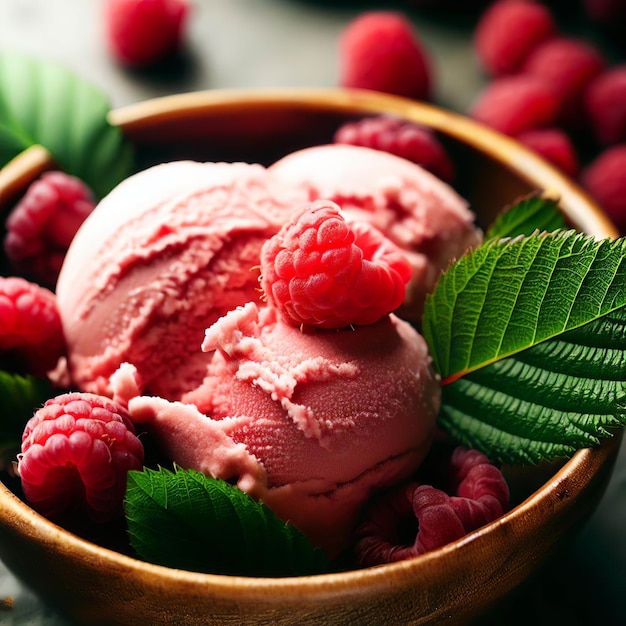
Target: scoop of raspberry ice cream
x=165, y=254
x=311, y=423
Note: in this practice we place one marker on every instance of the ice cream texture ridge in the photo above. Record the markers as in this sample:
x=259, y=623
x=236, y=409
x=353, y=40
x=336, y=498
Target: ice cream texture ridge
x=162, y=310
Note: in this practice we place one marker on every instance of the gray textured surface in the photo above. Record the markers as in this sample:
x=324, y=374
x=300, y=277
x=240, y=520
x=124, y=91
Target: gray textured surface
x=254, y=43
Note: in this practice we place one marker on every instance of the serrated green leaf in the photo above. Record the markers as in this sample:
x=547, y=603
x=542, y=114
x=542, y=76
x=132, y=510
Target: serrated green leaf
x=507, y=296
x=529, y=214
x=20, y=397
x=185, y=520
x=43, y=103
x=545, y=402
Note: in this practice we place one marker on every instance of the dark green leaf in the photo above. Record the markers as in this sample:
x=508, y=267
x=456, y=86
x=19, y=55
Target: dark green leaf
x=20, y=397
x=531, y=213
x=545, y=402
x=185, y=520
x=43, y=103
x=507, y=296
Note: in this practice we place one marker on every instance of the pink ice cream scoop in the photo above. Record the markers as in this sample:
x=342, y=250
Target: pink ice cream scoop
x=164, y=255
x=309, y=417
x=310, y=423
x=418, y=212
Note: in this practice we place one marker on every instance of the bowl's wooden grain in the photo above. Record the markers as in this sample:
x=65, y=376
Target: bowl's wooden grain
x=98, y=586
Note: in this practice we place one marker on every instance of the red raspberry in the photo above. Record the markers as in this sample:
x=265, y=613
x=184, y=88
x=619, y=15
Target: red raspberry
x=400, y=137
x=380, y=50
x=30, y=326
x=514, y=104
x=42, y=225
x=567, y=66
x=605, y=103
x=553, y=145
x=482, y=496
x=142, y=32
x=76, y=452
x=508, y=31
x=605, y=180
x=319, y=271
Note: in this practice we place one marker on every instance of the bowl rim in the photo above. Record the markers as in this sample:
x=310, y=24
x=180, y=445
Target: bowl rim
x=585, y=462
x=506, y=150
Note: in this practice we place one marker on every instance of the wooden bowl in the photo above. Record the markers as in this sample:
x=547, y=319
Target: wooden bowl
x=95, y=585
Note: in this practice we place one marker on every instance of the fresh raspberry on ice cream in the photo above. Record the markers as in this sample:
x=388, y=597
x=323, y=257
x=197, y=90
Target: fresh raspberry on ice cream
x=508, y=31
x=42, y=225
x=482, y=495
x=400, y=137
x=380, y=50
x=604, y=179
x=141, y=32
x=320, y=271
x=554, y=145
x=76, y=452
x=30, y=326
x=605, y=102
x=568, y=66
x=514, y=104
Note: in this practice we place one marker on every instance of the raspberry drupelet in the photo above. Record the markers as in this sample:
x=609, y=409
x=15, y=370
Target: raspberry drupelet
x=319, y=271
x=76, y=452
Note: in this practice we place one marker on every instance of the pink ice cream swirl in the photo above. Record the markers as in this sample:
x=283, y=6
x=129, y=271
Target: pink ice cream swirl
x=312, y=421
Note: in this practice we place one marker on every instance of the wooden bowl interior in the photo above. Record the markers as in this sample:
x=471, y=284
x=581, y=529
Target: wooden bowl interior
x=96, y=585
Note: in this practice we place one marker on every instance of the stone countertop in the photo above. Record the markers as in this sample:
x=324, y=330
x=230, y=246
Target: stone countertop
x=272, y=43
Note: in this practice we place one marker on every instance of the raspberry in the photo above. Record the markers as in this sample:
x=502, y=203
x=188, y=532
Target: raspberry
x=380, y=50
x=42, y=225
x=567, y=66
x=400, y=137
x=76, y=452
x=604, y=179
x=605, y=103
x=508, y=31
x=514, y=104
x=553, y=145
x=319, y=271
x=482, y=496
x=142, y=32
x=31, y=334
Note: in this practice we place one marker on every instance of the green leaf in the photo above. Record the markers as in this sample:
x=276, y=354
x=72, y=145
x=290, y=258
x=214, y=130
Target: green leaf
x=43, y=103
x=545, y=402
x=185, y=520
x=20, y=397
x=529, y=214
x=507, y=296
